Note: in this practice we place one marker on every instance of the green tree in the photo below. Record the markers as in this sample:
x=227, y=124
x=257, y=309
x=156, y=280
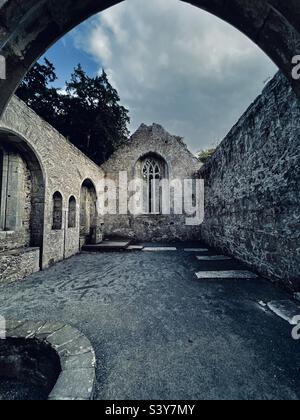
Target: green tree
x=35, y=91
x=98, y=122
x=88, y=113
x=205, y=155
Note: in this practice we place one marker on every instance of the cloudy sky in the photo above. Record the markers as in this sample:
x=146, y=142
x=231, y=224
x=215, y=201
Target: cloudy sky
x=172, y=64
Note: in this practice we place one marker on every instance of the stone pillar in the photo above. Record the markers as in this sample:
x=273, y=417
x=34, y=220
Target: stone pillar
x=97, y=231
x=3, y=185
x=11, y=190
x=14, y=192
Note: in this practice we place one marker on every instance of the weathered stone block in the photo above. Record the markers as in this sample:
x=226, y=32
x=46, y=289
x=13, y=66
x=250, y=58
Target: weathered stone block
x=17, y=264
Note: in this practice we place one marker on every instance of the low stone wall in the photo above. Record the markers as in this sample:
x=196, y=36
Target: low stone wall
x=19, y=263
x=154, y=228
x=12, y=239
x=52, y=356
x=253, y=187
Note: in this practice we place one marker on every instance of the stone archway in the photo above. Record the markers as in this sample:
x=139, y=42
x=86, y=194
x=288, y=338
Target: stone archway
x=22, y=195
x=28, y=29
x=88, y=212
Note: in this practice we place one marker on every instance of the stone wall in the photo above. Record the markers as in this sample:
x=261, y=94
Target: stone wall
x=64, y=169
x=19, y=263
x=253, y=187
x=180, y=164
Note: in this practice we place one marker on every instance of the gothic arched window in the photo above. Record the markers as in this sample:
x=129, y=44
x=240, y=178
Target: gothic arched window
x=152, y=172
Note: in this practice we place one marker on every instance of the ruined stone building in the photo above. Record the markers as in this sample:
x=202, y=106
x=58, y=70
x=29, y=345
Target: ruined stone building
x=49, y=190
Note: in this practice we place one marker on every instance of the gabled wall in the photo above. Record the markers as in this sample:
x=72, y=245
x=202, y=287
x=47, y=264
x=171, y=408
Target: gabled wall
x=180, y=164
x=253, y=187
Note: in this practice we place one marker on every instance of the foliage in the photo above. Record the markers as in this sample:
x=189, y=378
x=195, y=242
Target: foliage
x=87, y=112
x=205, y=155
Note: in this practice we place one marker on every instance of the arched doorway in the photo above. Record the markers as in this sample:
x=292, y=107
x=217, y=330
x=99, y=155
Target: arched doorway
x=27, y=32
x=22, y=195
x=88, y=211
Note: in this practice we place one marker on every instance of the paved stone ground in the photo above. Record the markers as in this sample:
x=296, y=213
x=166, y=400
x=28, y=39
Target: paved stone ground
x=159, y=333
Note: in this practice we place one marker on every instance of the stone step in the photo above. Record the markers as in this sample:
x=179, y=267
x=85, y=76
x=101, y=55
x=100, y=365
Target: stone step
x=107, y=246
x=159, y=249
x=235, y=274
x=213, y=258
x=135, y=248
x=196, y=250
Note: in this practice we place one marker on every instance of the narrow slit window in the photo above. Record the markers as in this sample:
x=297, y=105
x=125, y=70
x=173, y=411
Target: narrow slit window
x=72, y=213
x=57, y=211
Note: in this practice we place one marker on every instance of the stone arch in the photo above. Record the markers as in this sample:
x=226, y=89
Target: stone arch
x=72, y=212
x=88, y=211
x=156, y=156
x=22, y=189
x=26, y=32
x=57, y=212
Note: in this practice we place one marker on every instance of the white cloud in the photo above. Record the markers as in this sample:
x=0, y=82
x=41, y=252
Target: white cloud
x=177, y=65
